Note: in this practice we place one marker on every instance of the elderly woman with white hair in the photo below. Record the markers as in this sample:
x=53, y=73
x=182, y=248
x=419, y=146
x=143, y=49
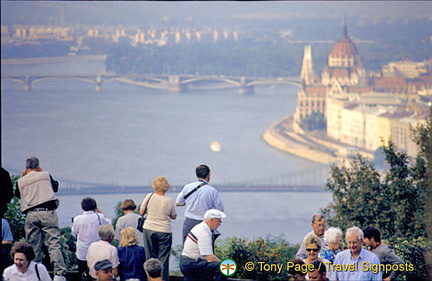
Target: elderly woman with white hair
x=333, y=238
x=160, y=210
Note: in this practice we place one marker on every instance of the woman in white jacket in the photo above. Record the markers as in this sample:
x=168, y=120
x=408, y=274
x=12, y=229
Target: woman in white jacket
x=24, y=268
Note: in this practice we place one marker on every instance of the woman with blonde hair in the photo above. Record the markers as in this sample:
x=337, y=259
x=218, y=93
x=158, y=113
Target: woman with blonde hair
x=313, y=248
x=160, y=210
x=131, y=256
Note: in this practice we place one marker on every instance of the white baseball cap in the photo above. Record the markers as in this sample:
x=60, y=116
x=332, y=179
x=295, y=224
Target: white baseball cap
x=214, y=214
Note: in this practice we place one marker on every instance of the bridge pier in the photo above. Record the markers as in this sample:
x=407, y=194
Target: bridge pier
x=27, y=84
x=246, y=90
x=175, y=85
x=98, y=83
x=27, y=87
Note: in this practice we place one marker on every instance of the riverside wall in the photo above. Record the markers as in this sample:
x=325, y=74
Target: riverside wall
x=309, y=146
x=288, y=144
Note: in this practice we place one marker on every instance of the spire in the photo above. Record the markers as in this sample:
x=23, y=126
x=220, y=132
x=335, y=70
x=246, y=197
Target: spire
x=345, y=31
x=307, y=73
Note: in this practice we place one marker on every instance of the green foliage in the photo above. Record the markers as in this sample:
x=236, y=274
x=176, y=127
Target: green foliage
x=357, y=198
x=68, y=248
x=394, y=201
x=271, y=250
x=14, y=215
x=404, y=188
x=411, y=251
x=236, y=59
x=118, y=213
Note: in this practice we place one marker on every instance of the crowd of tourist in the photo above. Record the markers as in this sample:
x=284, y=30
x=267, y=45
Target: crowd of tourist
x=321, y=255
x=143, y=253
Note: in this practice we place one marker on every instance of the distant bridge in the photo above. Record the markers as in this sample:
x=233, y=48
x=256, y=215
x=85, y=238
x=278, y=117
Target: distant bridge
x=116, y=189
x=171, y=83
x=307, y=180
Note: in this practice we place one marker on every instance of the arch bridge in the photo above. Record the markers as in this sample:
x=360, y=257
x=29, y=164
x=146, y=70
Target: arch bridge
x=171, y=83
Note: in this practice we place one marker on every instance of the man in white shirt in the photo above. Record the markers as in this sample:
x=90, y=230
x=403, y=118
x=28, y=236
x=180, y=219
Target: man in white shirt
x=103, y=250
x=198, y=261
x=86, y=227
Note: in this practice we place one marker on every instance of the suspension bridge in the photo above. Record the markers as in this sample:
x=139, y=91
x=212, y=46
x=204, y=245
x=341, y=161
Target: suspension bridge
x=307, y=180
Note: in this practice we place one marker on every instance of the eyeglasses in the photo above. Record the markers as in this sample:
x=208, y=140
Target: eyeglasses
x=315, y=250
x=319, y=223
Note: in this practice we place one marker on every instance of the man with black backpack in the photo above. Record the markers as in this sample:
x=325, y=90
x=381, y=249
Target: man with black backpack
x=198, y=197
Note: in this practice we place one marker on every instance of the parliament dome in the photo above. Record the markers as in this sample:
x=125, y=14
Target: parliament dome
x=344, y=53
x=344, y=48
x=343, y=65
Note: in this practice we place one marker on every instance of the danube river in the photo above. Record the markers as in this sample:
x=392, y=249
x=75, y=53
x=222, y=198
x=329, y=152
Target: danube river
x=127, y=135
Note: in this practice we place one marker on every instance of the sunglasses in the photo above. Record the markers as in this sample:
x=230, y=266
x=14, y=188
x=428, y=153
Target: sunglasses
x=315, y=250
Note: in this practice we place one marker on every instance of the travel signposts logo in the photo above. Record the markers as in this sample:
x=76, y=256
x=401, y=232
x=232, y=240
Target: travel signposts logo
x=228, y=267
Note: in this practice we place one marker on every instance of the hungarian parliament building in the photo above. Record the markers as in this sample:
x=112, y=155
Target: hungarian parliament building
x=361, y=110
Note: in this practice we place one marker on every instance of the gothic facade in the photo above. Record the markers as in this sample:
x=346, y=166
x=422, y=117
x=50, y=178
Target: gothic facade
x=343, y=73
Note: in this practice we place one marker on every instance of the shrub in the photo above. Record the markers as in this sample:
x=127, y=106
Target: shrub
x=270, y=251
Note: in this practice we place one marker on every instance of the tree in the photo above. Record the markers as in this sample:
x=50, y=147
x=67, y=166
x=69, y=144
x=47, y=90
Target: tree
x=394, y=201
x=423, y=138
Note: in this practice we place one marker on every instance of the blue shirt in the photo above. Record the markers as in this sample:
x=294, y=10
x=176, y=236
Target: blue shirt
x=131, y=261
x=364, y=268
x=6, y=231
x=328, y=254
x=205, y=198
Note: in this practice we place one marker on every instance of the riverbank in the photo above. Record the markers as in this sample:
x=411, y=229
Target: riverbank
x=25, y=61
x=314, y=147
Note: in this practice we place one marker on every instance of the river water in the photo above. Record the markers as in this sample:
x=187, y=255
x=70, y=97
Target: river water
x=127, y=135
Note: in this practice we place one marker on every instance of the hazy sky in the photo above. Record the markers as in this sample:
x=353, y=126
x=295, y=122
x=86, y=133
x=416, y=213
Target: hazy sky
x=144, y=12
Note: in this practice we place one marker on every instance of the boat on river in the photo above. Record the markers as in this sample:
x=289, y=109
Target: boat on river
x=215, y=146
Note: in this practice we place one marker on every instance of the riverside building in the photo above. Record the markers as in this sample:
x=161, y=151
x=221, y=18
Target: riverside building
x=355, y=110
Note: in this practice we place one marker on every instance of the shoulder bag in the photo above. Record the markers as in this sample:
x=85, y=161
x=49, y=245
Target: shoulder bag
x=193, y=190
x=142, y=219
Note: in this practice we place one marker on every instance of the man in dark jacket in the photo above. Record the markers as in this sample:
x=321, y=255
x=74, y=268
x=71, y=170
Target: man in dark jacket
x=372, y=239
x=6, y=190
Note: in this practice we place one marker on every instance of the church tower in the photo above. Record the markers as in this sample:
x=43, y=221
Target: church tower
x=307, y=75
